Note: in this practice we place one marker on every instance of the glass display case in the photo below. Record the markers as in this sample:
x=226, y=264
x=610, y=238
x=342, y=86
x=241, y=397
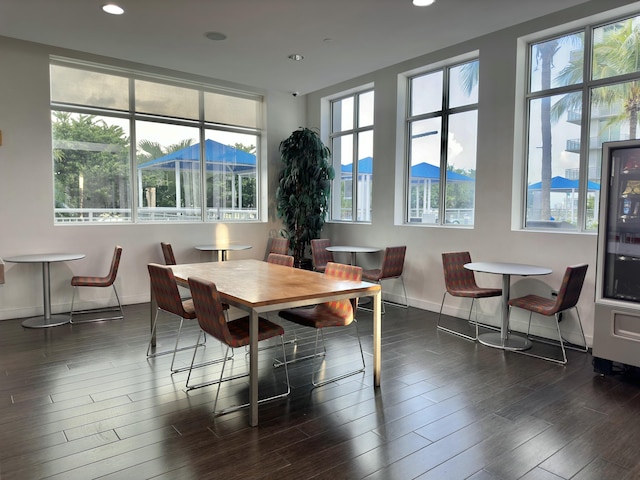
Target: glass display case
x=616, y=336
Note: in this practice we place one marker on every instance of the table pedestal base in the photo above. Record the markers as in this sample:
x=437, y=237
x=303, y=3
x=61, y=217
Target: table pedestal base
x=42, y=322
x=512, y=342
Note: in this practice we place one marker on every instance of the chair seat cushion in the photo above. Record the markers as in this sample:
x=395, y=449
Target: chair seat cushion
x=319, y=316
x=475, y=292
x=535, y=303
x=372, y=275
x=87, y=281
x=239, y=330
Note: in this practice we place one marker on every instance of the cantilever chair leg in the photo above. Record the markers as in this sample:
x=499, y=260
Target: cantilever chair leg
x=97, y=310
x=455, y=332
x=315, y=383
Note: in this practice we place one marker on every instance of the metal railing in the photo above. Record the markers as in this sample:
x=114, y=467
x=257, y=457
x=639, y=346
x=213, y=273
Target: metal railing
x=147, y=215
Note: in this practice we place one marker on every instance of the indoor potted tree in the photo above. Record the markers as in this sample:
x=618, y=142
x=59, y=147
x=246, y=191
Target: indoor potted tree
x=303, y=190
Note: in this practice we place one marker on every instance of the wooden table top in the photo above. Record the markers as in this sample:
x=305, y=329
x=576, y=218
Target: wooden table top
x=255, y=284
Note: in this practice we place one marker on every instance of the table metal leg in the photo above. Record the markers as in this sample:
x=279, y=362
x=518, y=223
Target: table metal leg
x=253, y=369
x=47, y=320
x=377, y=334
x=503, y=339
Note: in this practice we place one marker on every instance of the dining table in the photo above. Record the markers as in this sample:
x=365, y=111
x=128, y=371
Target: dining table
x=46, y=259
x=222, y=248
x=504, y=339
x=352, y=249
x=258, y=287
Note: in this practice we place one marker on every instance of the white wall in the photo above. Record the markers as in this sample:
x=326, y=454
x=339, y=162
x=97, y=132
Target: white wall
x=492, y=238
x=26, y=197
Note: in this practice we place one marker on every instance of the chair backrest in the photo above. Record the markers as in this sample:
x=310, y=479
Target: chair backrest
x=571, y=287
x=280, y=246
x=209, y=310
x=115, y=263
x=342, y=308
x=319, y=253
x=165, y=290
x=456, y=277
x=167, y=252
x=277, y=259
x=393, y=262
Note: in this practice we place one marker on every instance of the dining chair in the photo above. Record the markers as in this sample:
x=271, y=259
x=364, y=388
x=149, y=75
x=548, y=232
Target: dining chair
x=338, y=313
x=567, y=298
x=167, y=296
x=391, y=268
x=233, y=334
x=319, y=253
x=100, y=282
x=460, y=282
x=278, y=259
x=167, y=253
x=279, y=245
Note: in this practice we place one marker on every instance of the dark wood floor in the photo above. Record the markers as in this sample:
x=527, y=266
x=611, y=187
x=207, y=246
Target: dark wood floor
x=83, y=401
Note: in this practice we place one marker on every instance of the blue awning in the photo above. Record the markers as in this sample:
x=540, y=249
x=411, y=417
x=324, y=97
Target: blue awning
x=420, y=171
x=564, y=184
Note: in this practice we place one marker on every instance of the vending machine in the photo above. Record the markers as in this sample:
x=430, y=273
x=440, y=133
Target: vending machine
x=616, y=335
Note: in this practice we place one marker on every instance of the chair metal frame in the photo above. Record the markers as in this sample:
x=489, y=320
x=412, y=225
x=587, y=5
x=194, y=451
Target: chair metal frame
x=347, y=309
x=234, y=334
x=98, y=282
x=460, y=282
x=567, y=299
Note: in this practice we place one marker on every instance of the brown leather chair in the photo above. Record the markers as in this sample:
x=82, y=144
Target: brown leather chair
x=279, y=245
x=392, y=267
x=338, y=313
x=100, y=282
x=460, y=282
x=319, y=253
x=277, y=259
x=567, y=299
x=233, y=334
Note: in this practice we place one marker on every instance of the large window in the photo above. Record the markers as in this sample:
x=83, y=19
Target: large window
x=442, y=125
x=128, y=149
x=583, y=89
x=352, y=153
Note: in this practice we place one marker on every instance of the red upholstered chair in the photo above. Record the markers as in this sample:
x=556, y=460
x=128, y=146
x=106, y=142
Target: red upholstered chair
x=567, y=299
x=280, y=246
x=338, y=313
x=392, y=267
x=167, y=296
x=319, y=253
x=234, y=333
x=460, y=282
x=167, y=252
x=106, y=281
x=277, y=259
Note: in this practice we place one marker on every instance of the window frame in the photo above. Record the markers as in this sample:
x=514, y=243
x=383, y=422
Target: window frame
x=445, y=112
x=204, y=127
x=355, y=131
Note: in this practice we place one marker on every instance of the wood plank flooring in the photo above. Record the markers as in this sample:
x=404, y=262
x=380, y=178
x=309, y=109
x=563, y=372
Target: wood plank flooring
x=83, y=401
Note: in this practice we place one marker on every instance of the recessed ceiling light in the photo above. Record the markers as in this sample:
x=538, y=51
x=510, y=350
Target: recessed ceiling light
x=296, y=57
x=113, y=9
x=423, y=3
x=215, y=36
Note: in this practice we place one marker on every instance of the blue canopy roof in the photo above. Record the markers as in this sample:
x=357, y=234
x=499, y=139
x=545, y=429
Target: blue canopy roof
x=564, y=184
x=218, y=157
x=422, y=170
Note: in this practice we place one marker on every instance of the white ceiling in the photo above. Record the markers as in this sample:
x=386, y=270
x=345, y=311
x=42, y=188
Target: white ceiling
x=340, y=39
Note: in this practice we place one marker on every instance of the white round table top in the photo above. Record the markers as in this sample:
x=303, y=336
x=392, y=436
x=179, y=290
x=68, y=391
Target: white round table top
x=346, y=248
x=216, y=247
x=506, y=268
x=45, y=257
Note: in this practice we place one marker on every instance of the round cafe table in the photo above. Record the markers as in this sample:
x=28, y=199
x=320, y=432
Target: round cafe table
x=352, y=250
x=222, y=249
x=47, y=320
x=504, y=339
